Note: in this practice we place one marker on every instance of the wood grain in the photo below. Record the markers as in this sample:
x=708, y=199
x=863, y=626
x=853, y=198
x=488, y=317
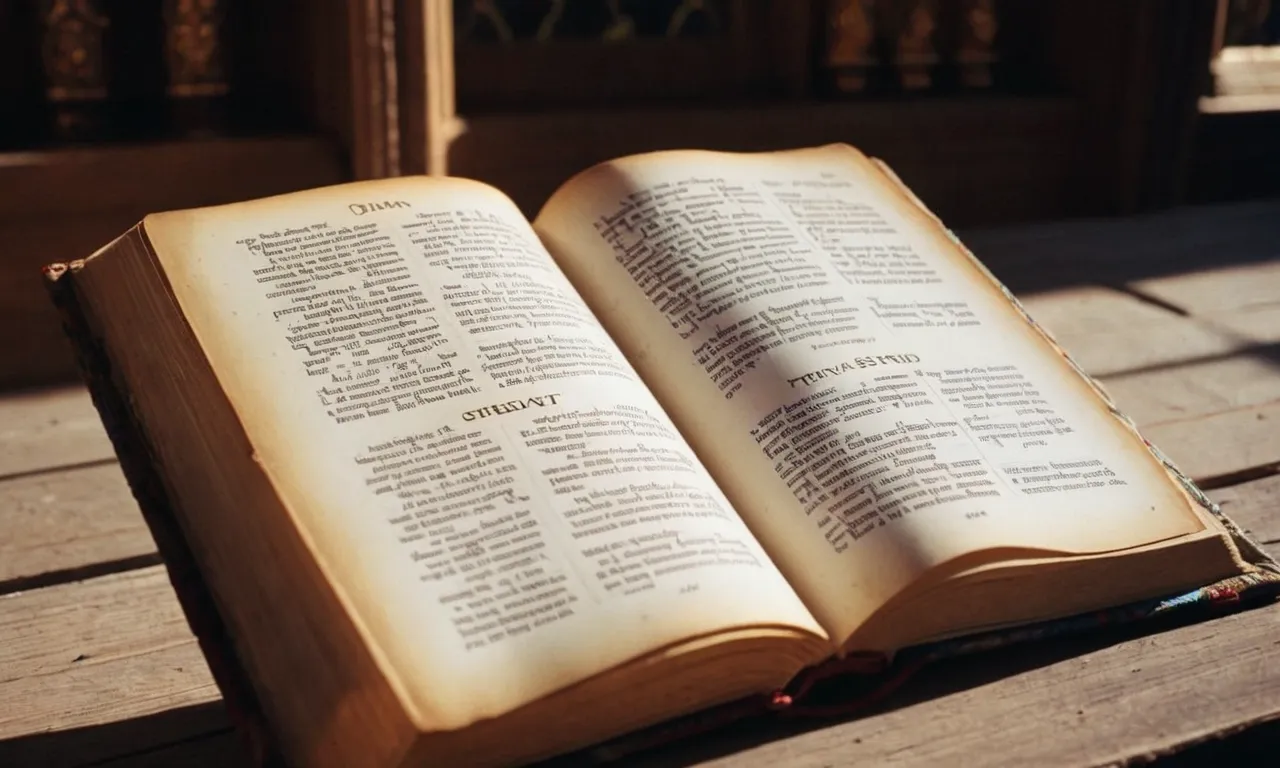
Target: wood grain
x=160, y=176
x=1109, y=332
x=375, y=99
x=1221, y=357
x=1205, y=388
x=1219, y=290
x=1087, y=311
x=972, y=161
x=94, y=667
x=109, y=661
x=1223, y=444
x=1255, y=506
x=428, y=114
x=47, y=429
x=33, y=349
x=64, y=204
x=1108, y=702
x=1259, y=323
x=69, y=524
x=1196, y=387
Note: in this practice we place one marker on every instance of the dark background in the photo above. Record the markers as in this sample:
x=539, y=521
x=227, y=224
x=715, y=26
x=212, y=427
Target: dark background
x=1073, y=108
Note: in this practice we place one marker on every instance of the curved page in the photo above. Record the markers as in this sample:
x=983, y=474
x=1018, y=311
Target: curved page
x=502, y=505
x=866, y=397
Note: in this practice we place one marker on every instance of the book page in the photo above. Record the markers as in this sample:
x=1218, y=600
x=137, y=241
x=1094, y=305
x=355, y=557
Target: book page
x=866, y=397
x=498, y=499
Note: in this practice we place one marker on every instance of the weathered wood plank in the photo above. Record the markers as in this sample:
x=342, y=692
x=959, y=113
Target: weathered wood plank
x=1192, y=366
x=67, y=521
x=1112, y=333
x=46, y=429
x=1258, y=323
x=1255, y=506
x=1203, y=389
x=1083, y=311
x=34, y=350
x=1088, y=701
x=1219, y=289
x=1191, y=389
x=100, y=668
x=1221, y=444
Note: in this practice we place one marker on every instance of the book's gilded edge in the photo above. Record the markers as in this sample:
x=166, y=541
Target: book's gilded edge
x=147, y=488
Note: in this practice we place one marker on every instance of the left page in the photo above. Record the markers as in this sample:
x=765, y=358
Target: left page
x=499, y=501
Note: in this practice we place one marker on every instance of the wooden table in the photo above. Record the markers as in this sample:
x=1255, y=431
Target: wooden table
x=1179, y=314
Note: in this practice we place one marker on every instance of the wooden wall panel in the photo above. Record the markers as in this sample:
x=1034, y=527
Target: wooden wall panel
x=58, y=206
x=973, y=161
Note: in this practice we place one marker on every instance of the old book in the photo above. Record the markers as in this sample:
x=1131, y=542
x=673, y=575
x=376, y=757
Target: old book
x=442, y=486
x=197, y=66
x=75, y=45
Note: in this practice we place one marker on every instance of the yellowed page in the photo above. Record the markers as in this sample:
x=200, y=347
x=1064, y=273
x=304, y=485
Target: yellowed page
x=499, y=501
x=862, y=393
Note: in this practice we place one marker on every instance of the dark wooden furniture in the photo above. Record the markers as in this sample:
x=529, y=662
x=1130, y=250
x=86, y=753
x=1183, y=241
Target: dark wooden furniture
x=1175, y=312
x=1236, y=153
x=1094, y=109
x=299, y=122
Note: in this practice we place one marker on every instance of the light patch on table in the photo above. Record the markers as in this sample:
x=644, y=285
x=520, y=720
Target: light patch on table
x=1199, y=387
x=1109, y=332
x=68, y=519
x=1221, y=444
x=47, y=429
x=1222, y=289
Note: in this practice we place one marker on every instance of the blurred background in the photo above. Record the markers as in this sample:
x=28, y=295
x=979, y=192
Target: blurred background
x=994, y=111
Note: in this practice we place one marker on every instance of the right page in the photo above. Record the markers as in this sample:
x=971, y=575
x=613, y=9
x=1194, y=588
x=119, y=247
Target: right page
x=867, y=398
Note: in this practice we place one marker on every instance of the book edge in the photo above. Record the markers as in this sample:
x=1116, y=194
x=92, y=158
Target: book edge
x=1249, y=548
x=134, y=456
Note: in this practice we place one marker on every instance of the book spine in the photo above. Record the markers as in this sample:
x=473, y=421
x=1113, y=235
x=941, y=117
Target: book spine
x=975, y=50
x=910, y=47
x=196, y=62
x=851, y=55
x=915, y=46
x=74, y=37
x=135, y=456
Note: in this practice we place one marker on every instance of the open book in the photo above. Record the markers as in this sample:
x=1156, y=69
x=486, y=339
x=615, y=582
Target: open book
x=470, y=490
